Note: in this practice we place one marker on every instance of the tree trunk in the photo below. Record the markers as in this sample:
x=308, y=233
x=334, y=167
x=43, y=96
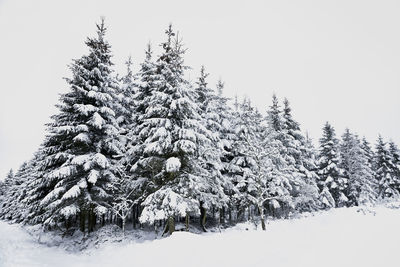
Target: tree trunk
x=90, y=222
x=82, y=220
x=123, y=226
x=134, y=216
x=203, y=215
x=261, y=210
x=187, y=222
x=171, y=225
x=222, y=215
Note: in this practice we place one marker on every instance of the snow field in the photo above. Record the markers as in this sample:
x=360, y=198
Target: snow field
x=339, y=237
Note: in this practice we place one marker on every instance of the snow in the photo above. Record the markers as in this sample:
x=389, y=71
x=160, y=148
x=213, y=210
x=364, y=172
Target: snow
x=82, y=137
x=101, y=160
x=93, y=176
x=73, y=192
x=97, y=121
x=173, y=164
x=340, y=237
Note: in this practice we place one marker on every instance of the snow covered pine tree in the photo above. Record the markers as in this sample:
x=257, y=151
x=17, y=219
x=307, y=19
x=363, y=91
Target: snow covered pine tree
x=83, y=142
x=172, y=138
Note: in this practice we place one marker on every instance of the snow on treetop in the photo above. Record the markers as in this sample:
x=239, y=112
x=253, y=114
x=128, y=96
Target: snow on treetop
x=97, y=121
x=173, y=165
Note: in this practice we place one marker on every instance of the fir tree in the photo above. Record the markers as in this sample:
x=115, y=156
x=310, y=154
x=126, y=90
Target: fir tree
x=302, y=160
x=330, y=181
x=83, y=141
x=395, y=163
x=227, y=137
x=354, y=162
x=209, y=110
x=384, y=171
x=369, y=153
x=172, y=138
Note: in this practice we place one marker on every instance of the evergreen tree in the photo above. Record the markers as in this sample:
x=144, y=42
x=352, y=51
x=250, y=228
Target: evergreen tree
x=15, y=191
x=125, y=95
x=257, y=166
x=283, y=162
x=346, y=144
x=384, y=171
x=83, y=143
x=357, y=171
x=173, y=138
x=227, y=137
x=5, y=186
x=302, y=162
x=209, y=110
x=331, y=183
x=139, y=184
x=369, y=153
x=395, y=163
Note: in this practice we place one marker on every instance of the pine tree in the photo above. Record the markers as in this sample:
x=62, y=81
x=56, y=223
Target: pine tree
x=346, y=144
x=13, y=207
x=384, y=171
x=256, y=168
x=146, y=86
x=395, y=163
x=172, y=138
x=302, y=161
x=5, y=186
x=369, y=153
x=125, y=95
x=331, y=181
x=209, y=110
x=356, y=169
x=83, y=141
x=227, y=137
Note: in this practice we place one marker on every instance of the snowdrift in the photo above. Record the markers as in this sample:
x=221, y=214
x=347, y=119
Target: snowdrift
x=339, y=237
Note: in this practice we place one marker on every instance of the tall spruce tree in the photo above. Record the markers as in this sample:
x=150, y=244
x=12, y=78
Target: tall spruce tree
x=395, y=163
x=369, y=153
x=302, y=160
x=173, y=139
x=139, y=185
x=83, y=143
x=331, y=183
x=209, y=110
x=227, y=137
x=384, y=170
x=356, y=169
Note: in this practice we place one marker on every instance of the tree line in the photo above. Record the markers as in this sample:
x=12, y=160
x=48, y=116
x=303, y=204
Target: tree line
x=152, y=148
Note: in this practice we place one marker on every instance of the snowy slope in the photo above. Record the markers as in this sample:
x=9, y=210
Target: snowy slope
x=340, y=237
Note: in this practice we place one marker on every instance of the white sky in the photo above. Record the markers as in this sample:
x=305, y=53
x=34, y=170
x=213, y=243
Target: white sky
x=334, y=60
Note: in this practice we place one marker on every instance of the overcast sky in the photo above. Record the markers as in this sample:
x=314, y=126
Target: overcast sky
x=336, y=61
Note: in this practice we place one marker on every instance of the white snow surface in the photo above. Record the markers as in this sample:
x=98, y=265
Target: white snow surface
x=339, y=237
x=173, y=164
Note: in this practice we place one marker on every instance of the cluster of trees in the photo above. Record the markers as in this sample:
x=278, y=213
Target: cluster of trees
x=153, y=148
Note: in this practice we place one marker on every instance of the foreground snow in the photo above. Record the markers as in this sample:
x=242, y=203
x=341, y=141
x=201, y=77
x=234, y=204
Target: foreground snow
x=340, y=237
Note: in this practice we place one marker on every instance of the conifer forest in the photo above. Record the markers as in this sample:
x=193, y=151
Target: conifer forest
x=152, y=149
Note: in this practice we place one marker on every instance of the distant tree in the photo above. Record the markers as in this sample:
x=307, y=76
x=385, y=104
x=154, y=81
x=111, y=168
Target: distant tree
x=395, y=163
x=384, y=170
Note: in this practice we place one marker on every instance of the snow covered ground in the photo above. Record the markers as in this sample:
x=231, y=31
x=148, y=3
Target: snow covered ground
x=340, y=237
